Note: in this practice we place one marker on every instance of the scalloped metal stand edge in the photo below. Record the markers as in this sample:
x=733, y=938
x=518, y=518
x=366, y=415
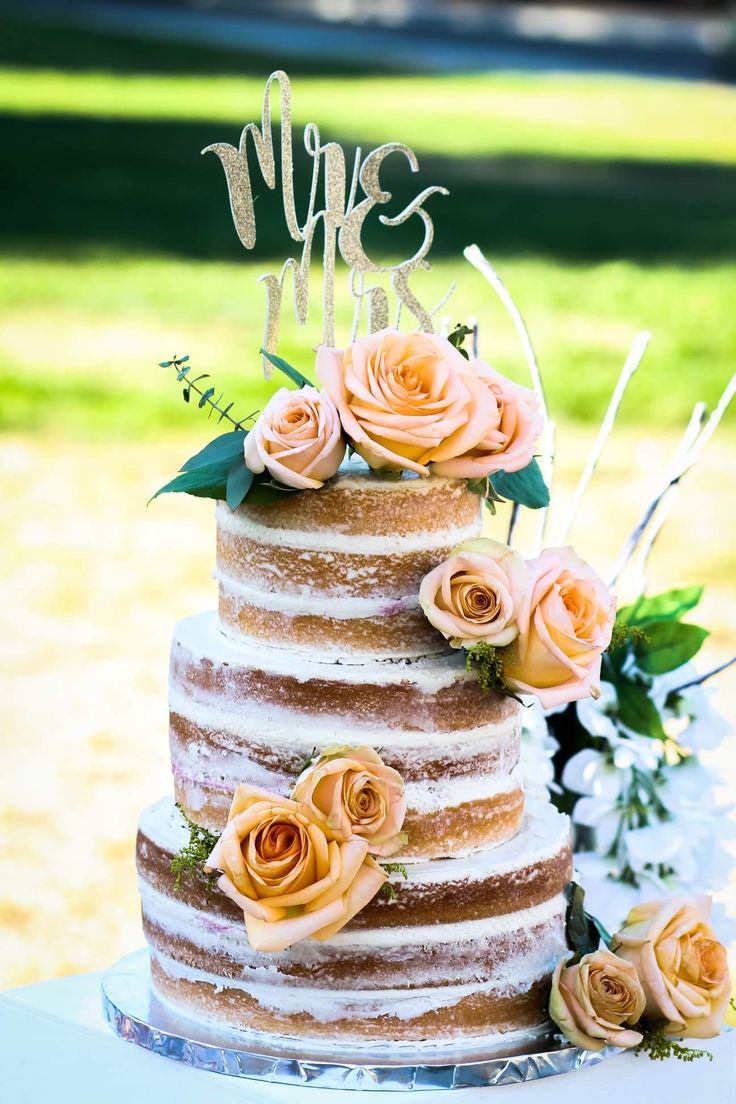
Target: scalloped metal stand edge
x=137, y=1016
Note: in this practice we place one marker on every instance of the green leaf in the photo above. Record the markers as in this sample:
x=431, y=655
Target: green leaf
x=668, y=644
x=165, y=363
x=527, y=487
x=181, y=360
x=636, y=709
x=581, y=930
x=186, y=393
x=223, y=448
x=264, y=491
x=206, y=482
x=671, y=605
x=283, y=366
x=206, y=395
x=184, y=372
x=239, y=480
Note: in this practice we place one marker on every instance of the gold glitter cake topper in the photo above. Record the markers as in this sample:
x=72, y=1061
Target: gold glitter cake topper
x=342, y=218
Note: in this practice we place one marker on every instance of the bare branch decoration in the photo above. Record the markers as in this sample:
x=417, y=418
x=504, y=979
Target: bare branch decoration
x=633, y=360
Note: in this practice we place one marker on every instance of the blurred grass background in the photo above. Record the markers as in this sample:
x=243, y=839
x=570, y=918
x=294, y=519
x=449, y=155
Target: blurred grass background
x=608, y=205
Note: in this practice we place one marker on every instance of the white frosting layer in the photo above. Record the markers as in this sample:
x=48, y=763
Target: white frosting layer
x=543, y=834
x=201, y=636
x=330, y=1005
x=330, y=540
x=275, y=726
x=308, y=602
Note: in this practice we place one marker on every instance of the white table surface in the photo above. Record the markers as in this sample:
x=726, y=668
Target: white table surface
x=56, y=1048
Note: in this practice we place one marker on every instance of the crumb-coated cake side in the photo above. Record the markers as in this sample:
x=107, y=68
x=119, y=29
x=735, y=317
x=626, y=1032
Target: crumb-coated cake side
x=465, y=948
x=338, y=570
x=253, y=714
x=320, y=648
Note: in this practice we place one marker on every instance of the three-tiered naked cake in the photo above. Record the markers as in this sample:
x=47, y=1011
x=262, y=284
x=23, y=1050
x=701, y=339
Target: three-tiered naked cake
x=320, y=640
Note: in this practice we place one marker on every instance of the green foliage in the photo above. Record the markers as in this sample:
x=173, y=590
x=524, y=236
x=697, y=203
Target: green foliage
x=657, y=1045
x=624, y=634
x=208, y=481
x=283, y=366
x=667, y=645
x=527, y=487
x=191, y=859
x=239, y=481
x=649, y=639
x=486, y=661
x=388, y=890
x=224, y=448
x=457, y=338
x=636, y=709
x=582, y=931
x=668, y=606
x=206, y=395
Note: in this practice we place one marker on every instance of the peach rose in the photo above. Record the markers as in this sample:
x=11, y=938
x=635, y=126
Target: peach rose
x=682, y=966
x=353, y=793
x=509, y=445
x=298, y=438
x=291, y=877
x=476, y=594
x=563, y=630
x=407, y=400
x=593, y=1000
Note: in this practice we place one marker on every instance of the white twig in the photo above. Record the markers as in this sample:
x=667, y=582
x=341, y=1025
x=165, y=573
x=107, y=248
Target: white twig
x=704, y=678
x=683, y=460
x=662, y=512
x=633, y=360
x=547, y=465
x=473, y=254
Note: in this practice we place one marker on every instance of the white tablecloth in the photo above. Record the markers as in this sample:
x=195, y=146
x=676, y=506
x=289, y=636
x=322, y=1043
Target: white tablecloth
x=55, y=1047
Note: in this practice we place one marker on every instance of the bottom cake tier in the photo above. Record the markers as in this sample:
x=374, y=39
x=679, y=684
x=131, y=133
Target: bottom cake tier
x=466, y=947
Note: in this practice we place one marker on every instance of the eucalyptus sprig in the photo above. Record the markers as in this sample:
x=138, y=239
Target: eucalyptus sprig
x=193, y=856
x=206, y=396
x=657, y=1045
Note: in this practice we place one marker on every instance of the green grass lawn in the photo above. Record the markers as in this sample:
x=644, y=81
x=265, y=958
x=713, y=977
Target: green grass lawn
x=608, y=205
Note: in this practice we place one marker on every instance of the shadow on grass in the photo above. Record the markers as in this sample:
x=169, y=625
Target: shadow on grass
x=142, y=186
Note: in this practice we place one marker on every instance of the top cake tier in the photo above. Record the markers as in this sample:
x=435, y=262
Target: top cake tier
x=338, y=570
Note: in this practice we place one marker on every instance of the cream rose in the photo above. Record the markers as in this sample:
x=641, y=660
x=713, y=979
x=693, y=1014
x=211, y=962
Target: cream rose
x=407, y=400
x=291, y=877
x=353, y=793
x=592, y=1001
x=298, y=438
x=476, y=594
x=564, y=629
x=509, y=445
x=682, y=966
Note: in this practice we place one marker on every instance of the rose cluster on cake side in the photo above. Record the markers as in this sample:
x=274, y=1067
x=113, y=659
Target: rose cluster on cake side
x=663, y=975
x=302, y=867
x=544, y=623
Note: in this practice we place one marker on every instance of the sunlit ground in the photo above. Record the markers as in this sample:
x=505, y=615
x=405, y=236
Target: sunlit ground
x=93, y=584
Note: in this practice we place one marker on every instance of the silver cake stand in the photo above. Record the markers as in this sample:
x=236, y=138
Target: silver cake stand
x=136, y=1015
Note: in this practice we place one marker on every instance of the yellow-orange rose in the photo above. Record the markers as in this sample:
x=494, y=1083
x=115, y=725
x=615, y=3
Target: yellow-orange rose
x=298, y=438
x=592, y=1001
x=682, y=966
x=563, y=630
x=354, y=793
x=509, y=445
x=407, y=400
x=476, y=594
x=291, y=877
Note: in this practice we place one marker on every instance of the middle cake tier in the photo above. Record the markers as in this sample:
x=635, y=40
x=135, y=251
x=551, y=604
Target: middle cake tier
x=254, y=714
